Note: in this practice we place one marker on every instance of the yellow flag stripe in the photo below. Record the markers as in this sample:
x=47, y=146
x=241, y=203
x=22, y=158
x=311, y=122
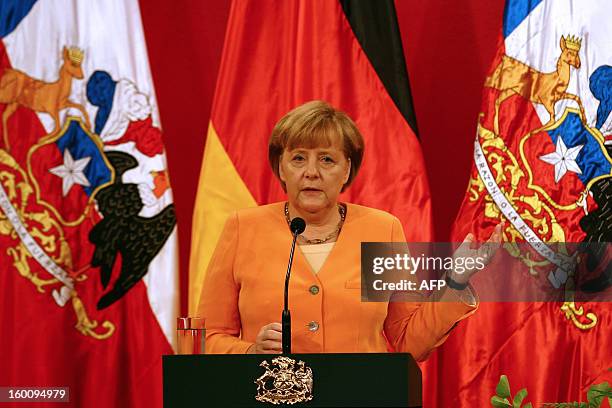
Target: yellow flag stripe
x=221, y=191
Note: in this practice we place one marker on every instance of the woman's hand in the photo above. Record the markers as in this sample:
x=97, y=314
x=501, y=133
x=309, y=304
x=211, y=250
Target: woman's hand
x=485, y=253
x=269, y=340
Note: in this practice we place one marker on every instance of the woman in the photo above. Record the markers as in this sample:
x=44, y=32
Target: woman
x=315, y=151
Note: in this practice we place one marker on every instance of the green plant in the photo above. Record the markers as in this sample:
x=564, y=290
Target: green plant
x=503, y=395
x=596, y=395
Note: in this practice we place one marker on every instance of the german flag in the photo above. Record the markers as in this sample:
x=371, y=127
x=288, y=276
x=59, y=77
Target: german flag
x=278, y=55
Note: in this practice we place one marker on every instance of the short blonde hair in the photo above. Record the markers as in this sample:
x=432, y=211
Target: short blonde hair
x=316, y=124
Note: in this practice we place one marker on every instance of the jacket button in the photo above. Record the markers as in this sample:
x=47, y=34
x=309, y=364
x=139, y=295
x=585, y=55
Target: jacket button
x=313, y=326
x=314, y=289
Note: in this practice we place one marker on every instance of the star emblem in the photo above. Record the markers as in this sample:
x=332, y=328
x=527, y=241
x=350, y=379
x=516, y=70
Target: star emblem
x=563, y=159
x=71, y=172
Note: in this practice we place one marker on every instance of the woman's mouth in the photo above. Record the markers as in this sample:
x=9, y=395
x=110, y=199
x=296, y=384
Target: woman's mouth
x=311, y=190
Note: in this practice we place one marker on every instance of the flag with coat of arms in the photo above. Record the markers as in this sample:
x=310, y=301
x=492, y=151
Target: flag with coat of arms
x=87, y=226
x=542, y=163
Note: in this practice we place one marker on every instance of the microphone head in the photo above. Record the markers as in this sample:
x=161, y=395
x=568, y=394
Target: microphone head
x=298, y=225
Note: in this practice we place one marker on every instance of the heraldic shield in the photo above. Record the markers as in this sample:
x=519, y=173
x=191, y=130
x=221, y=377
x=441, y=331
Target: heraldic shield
x=68, y=170
x=284, y=382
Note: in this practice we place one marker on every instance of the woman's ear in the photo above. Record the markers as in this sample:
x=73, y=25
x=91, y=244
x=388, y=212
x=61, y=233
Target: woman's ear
x=281, y=174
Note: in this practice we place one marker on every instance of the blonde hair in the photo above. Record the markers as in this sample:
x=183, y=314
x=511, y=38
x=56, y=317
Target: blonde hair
x=316, y=124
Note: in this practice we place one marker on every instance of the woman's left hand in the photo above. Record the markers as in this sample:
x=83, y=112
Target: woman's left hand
x=485, y=252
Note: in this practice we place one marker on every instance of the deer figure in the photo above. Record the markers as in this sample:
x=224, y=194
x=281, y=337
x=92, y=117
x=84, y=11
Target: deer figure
x=514, y=77
x=17, y=88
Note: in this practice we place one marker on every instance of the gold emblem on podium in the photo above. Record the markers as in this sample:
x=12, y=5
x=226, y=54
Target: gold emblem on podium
x=284, y=382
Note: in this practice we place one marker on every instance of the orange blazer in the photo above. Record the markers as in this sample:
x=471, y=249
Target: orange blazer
x=243, y=290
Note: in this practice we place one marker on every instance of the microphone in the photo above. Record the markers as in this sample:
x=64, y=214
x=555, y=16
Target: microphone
x=297, y=226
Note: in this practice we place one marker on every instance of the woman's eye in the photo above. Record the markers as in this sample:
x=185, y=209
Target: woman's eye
x=298, y=158
x=327, y=159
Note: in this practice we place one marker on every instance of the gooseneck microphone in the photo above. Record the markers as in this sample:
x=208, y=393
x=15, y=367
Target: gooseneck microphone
x=297, y=226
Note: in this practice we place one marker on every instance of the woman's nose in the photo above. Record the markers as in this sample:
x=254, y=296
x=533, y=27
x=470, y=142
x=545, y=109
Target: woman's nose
x=312, y=169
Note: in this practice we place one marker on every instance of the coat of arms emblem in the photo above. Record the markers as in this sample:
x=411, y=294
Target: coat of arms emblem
x=284, y=382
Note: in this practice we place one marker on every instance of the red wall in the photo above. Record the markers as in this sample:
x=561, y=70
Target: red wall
x=448, y=46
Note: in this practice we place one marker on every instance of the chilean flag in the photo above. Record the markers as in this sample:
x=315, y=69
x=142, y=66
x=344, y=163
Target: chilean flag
x=543, y=140
x=87, y=227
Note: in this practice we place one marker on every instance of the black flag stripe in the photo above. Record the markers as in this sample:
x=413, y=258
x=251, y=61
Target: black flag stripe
x=374, y=23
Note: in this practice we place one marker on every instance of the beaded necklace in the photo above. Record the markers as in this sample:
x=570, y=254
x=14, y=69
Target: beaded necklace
x=316, y=241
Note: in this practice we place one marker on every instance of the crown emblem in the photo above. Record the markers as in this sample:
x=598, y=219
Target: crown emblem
x=284, y=382
x=75, y=55
x=572, y=43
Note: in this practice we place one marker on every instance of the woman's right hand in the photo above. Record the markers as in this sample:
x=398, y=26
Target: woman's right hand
x=269, y=340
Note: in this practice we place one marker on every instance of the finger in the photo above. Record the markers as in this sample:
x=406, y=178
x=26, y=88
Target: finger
x=469, y=238
x=494, y=241
x=486, y=251
x=271, y=351
x=272, y=335
x=273, y=326
x=469, y=241
x=270, y=345
x=497, y=233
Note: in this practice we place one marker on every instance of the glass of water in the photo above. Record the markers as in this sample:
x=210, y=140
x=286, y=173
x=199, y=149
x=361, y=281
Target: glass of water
x=191, y=335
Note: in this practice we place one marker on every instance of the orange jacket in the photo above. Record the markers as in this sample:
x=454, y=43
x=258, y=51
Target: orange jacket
x=243, y=290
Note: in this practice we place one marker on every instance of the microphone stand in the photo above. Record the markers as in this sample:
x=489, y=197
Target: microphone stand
x=286, y=317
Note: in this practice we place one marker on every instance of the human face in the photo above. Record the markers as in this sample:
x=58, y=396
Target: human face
x=314, y=177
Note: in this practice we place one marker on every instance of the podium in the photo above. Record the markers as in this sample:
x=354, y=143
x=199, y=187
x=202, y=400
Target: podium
x=337, y=380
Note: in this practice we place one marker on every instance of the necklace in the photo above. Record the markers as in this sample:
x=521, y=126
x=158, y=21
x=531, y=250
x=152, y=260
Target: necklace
x=315, y=241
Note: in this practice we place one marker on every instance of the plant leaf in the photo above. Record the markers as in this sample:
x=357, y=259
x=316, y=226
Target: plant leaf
x=503, y=387
x=499, y=402
x=519, y=397
x=597, y=392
